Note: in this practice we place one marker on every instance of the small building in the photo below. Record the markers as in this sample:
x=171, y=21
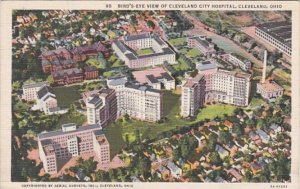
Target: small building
x=163, y=172
x=222, y=151
x=263, y=135
x=81, y=176
x=202, y=44
x=176, y=172
x=156, y=77
x=46, y=100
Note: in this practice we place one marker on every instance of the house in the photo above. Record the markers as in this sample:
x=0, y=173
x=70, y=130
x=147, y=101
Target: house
x=193, y=162
x=219, y=179
x=229, y=125
x=163, y=172
x=85, y=52
x=222, y=151
x=81, y=176
x=237, y=177
x=263, y=135
x=255, y=168
x=176, y=172
x=135, y=179
x=274, y=129
x=46, y=100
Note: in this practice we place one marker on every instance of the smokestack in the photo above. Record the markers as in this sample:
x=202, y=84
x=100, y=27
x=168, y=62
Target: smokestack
x=263, y=80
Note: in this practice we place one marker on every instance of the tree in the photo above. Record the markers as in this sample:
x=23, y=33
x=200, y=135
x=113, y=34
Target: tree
x=215, y=158
x=50, y=80
x=211, y=144
x=237, y=129
x=224, y=137
x=176, y=154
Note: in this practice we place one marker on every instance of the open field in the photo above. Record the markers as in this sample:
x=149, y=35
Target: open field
x=67, y=95
x=212, y=111
x=178, y=41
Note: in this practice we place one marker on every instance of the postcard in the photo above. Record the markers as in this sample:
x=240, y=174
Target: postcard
x=145, y=94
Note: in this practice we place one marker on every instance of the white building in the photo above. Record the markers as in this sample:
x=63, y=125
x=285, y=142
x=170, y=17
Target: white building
x=277, y=34
x=46, y=100
x=268, y=89
x=140, y=102
x=30, y=90
x=125, y=50
x=236, y=60
x=216, y=85
x=202, y=44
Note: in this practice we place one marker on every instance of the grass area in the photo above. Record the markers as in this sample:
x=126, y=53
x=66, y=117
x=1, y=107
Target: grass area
x=255, y=102
x=67, y=95
x=173, y=120
x=178, y=41
x=112, y=58
x=94, y=62
x=117, y=63
x=182, y=65
x=193, y=53
x=215, y=110
x=144, y=51
x=281, y=73
x=113, y=134
x=107, y=74
x=76, y=118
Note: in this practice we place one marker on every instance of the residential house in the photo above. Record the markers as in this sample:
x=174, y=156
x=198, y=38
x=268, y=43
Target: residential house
x=263, y=135
x=163, y=172
x=81, y=176
x=222, y=151
x=176, y=172
x=237, y=177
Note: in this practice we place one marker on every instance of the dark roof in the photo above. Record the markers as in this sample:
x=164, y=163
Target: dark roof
x=123, y=48
x=69, y=72
x=152, y=79
x=46, y=142
x=94, y=100
x=33, y=85
x=60, y=132
x=98, y=132
x=43, y=91
x=167, y=76
x=137, y=37
x=282, y=31
x=142, y=87
x=90, y=68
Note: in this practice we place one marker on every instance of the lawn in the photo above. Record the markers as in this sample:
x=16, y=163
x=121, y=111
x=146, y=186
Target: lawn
x=144, y=51
x=94, y=62
x=178, y=41
x=255, y=102
x=182, y=65
x=193, y=53
x=67, y=95
x=212, y=111
x=117, y=63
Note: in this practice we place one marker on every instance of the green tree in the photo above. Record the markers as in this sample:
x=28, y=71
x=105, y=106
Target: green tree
x=215, y=158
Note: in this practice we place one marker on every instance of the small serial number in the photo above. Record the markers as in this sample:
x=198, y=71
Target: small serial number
x=278, y=186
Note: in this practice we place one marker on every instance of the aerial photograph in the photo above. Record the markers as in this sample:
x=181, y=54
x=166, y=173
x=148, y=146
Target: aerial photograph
x=151, y=96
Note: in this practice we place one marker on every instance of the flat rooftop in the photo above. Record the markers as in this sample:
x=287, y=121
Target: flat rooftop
x=281, y=31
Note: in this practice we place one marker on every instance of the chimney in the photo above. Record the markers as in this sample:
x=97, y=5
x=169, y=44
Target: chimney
x=263, y=80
